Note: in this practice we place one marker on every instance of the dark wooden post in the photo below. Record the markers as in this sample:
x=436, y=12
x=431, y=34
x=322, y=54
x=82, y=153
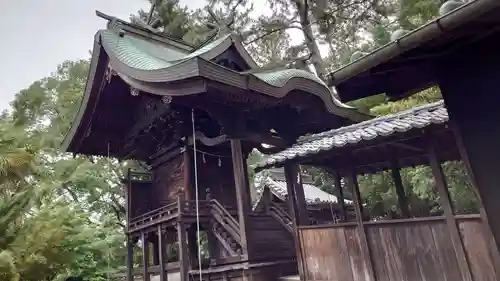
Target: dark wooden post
x=476, y=69
x=495, y=255
x=358, y=208
x=444, y=199
x=213, y=250
x=156, y=253
x=192, y=247
x=183, y=251
x=145, y=256
x=162, y=249
x=128, y=190
x=188, y=172
x=266, y=198
x=292, y=173
x=338, y=185
x=242, y=196
x=302, y=214
x=130, y=258
x=400, y=190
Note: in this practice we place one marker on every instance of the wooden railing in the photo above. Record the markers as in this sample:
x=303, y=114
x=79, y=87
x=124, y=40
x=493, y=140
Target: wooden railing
x=154, y=217
x=226, y=229
x=281, y=216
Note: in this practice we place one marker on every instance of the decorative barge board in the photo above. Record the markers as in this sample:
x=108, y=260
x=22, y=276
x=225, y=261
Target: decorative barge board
x=442, y=247
x=458, y=53
x=191, y=116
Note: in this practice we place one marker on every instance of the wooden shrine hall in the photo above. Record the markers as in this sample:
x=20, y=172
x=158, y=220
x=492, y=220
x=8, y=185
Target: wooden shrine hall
x=191, y=115
x=441, y=246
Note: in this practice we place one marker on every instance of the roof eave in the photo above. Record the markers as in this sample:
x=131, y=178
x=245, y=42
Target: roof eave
x=432, y=30
x=98, y=64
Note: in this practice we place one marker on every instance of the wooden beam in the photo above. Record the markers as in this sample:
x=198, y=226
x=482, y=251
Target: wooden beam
x=358, y=208
x=444, y=200
x=145, y=256
x=400, y=190
x=162, y=250
x=407, y=146
x=183, y=251
x=130, y=259
x=291, y=177
x=338, y=185
x=242, y=196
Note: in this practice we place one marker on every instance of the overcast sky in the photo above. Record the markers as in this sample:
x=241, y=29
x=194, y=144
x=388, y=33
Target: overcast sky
x=38, y=35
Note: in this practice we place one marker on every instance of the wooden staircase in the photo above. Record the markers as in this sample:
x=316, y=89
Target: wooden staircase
x=226, y=229
x=272, y=233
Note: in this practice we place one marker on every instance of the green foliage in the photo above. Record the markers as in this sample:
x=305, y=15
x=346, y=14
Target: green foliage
x=58, y=215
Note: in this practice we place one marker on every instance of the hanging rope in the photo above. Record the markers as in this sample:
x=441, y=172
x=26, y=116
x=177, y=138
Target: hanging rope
x=196, y=195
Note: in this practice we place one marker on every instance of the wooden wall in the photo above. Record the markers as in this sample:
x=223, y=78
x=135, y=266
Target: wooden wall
x=140, y=196
x=219, y=179
x=403, y=250
x=168, y=182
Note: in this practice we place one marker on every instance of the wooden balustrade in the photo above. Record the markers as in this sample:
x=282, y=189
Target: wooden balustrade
x=281, y=216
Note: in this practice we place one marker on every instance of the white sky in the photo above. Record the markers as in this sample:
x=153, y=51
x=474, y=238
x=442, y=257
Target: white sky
x=36, y=36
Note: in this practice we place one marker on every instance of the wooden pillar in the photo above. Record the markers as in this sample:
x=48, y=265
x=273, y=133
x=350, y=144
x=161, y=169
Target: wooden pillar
x=162, y=249
x=192, y=247
x=291, y=176
x=213, y=250
x=444, y=200
x=188, y=173
x=302, y=212
x=128, y=198
x=358, y=208
x=338, y=185
x=156, y=253
x=145, y=256
x=130, y=258
x=266, y=198
x=400, y=190
x=183, y=251
x=242, y=196
x=476, y=69
x=494, y=253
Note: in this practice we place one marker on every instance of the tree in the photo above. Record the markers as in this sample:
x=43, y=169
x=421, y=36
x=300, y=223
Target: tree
x=53, y=206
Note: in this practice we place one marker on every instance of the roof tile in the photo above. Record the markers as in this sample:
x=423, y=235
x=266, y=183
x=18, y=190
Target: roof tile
x=416, y=118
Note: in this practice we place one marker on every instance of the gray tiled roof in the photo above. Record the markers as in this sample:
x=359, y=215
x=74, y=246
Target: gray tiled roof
x=277, y=185
x=312, y=193
x=416, y=118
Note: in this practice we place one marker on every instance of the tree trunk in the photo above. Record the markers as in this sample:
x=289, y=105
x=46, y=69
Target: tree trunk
x=311, y=43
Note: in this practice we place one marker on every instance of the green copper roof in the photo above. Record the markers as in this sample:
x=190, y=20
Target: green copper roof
x=141, y=61
x=278, y=78
x=149, y=55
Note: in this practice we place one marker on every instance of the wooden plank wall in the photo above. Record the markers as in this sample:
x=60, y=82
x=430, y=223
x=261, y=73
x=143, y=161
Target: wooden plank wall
x=168, y=182
x=405, y=250
x=477, y=250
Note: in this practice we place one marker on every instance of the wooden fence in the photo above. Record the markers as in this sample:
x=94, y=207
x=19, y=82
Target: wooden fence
x=398, y=250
